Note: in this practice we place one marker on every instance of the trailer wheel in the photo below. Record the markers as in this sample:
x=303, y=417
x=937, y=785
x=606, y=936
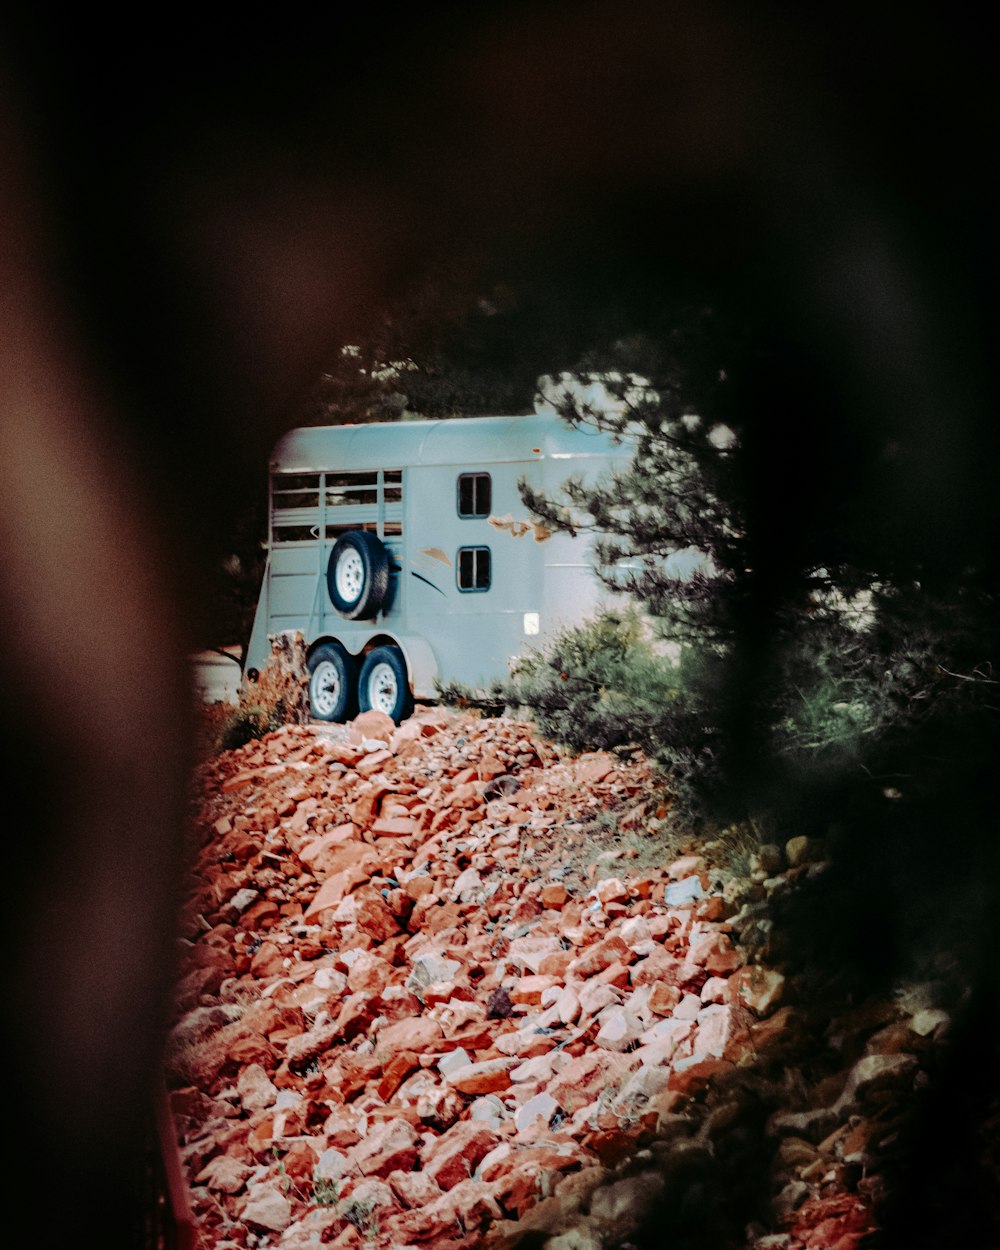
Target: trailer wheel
x=383, y=685
x=357, y=575
x=332, y=683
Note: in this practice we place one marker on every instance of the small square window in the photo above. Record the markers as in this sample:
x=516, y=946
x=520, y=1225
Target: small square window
x=474, y=494
x=474, y=570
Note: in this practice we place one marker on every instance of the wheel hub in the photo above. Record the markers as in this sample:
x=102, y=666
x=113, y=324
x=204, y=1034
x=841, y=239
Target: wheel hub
x=382, y=689
x=325, y=692
x=350, y=576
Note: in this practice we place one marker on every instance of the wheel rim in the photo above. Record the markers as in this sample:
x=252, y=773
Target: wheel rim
x=383, y=689
x=324, y=692
x=349, y=575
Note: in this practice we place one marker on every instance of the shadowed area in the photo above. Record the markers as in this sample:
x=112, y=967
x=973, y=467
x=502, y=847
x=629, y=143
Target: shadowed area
x=197, y=216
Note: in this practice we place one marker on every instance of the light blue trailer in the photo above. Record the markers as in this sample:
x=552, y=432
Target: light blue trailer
x=403, y=554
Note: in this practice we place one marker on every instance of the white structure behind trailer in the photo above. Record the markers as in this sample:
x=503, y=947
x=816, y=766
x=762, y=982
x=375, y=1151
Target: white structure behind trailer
x=404, y=555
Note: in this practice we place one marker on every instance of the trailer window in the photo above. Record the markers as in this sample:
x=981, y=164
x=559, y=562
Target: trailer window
x=295, y=490
x=308, y=507
x=474, y=570
x=474, y=494
x=295, y=508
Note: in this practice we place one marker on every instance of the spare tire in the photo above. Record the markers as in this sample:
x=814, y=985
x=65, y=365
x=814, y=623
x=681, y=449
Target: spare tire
x=357, y=575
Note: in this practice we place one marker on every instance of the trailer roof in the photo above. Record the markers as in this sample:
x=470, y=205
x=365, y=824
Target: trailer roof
x=449, y=441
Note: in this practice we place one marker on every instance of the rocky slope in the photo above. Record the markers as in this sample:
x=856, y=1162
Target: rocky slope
x=440, y=989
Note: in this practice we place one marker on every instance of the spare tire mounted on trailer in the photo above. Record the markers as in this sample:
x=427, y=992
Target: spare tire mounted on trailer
x=357, y=575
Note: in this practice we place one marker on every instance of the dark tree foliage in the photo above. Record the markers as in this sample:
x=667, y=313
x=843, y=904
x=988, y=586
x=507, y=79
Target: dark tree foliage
x=817, y=674
x=461, y=344
x=229, y=600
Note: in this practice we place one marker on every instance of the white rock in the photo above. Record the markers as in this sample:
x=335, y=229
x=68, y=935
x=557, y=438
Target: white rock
x=924, y=1023
x=255, y=1088
x=430, y=968
x=595, y=998
x=489, y=1109
x=331, y=1164
x=688, y=1008
x=687, y=890
x=468, y=886
x=267, y=1207
x=619, y=1029
x=543, y=1106
x=452, y=1061
x=242, y=899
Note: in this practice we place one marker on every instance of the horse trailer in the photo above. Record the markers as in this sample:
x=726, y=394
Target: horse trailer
x=404, y=555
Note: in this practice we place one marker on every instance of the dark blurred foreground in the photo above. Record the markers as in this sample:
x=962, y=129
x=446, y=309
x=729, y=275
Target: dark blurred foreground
x=196, y=215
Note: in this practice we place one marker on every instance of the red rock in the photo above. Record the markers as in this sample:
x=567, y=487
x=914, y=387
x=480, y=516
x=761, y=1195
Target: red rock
x=272, y=848
x=414, y=1189
x=269, y=961
x=612, y=890
x=556, y=964
x=553, y=894
x=333, y=837
x=490, y=766
x=395, y=1073
x=334, y=889
x=600, y=955
x=259, y=915
x=260, y=1137
x=434, y=1102
x=374, y=724
x=475, y=1036
x=486, y=1077
x=299, y=1161
x=759, y=989
x=418, y=887
x=372, y=914
x=616, y=975
x=580, y=1082
x=713, y=908
x=368, y=974
x=355, y=1016
x=591, y=769
x=373, y=763
x=394, y=826
x=341, y=1128
x=663, y=998
x=694, y=1076
x=611, y=1145
x=349, y=1238
x=441, y=916
x=529, y=989
x=454, y=1155
x=712, y=950
x=224, y=1175
x=386, y=1148
x=417, y=1034
x=719, y=1033
x=366, y=808
x=240, y=782
x=350, y=1072
x=686, y=866
x=469, y=1206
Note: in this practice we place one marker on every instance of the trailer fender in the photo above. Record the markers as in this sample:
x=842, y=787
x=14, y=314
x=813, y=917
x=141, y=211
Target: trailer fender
x=420, y=664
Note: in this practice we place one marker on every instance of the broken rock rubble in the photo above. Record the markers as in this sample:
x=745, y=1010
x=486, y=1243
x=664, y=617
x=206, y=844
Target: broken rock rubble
x=409, y=1015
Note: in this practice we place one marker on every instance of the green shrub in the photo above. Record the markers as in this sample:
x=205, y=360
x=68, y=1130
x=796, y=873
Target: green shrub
x=608, y=684
x=840, y=711
x=253, y=719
